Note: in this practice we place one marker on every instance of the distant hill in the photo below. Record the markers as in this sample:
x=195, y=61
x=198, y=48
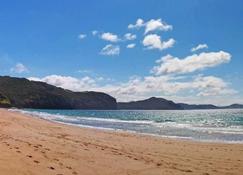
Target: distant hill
x=163, y=104
x=152, y=103
x=209, y=106
x=233, y=106
x=22, y=93
x=193, y=106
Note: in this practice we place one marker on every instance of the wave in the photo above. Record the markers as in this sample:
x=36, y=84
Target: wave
x=169, y=128
x=166, y=123
x=48, y=116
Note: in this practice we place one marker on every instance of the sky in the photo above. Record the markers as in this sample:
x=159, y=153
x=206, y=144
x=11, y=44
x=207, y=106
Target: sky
x=186, y=51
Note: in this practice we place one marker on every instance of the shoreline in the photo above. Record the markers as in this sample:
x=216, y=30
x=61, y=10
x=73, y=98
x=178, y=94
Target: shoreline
x=190, y=139
x=38, y=146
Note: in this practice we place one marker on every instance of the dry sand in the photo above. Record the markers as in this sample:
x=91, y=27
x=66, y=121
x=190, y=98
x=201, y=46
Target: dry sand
x=33, y=146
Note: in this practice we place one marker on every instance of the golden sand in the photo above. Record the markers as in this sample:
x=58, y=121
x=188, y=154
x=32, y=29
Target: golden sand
x=31, y=146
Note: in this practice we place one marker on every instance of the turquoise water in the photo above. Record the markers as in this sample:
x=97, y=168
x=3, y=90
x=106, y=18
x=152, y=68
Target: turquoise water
x=205, y=125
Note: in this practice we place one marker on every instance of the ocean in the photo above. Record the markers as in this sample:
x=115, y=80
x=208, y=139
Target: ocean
x=224, y=125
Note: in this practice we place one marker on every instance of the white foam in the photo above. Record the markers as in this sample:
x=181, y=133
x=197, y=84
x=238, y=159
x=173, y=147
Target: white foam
x=45, y=115
x=75, y=121
x=172, y=124
x=48, y=116
x=117, y=120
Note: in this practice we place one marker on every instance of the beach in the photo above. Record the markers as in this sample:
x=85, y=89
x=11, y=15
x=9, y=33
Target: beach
x=35, y=146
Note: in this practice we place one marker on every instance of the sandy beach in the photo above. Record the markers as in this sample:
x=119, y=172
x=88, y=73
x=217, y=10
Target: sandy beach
x=31, y=146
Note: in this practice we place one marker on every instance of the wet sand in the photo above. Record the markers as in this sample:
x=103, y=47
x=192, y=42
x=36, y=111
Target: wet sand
x=31, y=146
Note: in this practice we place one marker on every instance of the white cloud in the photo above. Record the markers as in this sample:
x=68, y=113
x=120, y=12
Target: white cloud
x=158, y=24
x=130, y=36
x=110, y=50
x=82, y=36
x=170, y=87
x=94, y=32
x=173, y=65
x=19, y=68
x=151, y=25
x=198, y=47
x=110, y=37
x=165, y=81
x=130, y=46
x=68, y=82
x=153, y=41
x=211, y=86
x=139, y=23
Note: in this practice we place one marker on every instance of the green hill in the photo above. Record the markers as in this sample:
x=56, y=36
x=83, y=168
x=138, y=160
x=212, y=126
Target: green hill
x=22, y=93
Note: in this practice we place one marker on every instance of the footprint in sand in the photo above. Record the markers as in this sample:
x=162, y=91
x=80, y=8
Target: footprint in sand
x=68, y=167
x=36, y=161
x=51, y=168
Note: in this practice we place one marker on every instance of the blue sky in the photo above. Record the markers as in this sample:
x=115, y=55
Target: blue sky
x=54, y=41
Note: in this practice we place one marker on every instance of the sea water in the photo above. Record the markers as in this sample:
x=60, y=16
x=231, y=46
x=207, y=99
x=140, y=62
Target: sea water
x=224, y=125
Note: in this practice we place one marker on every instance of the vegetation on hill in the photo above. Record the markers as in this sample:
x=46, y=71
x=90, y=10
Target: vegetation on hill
x=4, y=101
x=22, y=93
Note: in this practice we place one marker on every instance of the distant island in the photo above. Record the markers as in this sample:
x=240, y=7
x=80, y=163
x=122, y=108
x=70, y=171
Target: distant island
x=154, y=103
x=23, y=93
